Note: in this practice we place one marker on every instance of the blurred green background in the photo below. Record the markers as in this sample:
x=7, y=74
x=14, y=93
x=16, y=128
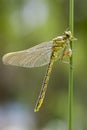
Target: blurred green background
x=25, y=23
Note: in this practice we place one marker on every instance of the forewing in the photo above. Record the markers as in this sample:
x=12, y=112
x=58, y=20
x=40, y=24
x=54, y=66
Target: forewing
x=36, y=56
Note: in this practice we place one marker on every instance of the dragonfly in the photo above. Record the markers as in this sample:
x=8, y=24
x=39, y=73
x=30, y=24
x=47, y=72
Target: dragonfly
x=40, y=55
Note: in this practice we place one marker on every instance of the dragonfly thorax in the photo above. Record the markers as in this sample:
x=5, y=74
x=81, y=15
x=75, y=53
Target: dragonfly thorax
x=61, y=41
x=58, y=43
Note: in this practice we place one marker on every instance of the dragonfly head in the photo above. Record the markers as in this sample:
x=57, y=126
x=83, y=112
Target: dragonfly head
x=69, y=36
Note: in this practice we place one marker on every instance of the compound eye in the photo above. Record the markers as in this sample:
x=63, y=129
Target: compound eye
x=67, y=34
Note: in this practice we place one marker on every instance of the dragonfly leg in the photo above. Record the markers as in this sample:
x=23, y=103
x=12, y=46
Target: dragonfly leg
x=67, y=52
x=66, y=62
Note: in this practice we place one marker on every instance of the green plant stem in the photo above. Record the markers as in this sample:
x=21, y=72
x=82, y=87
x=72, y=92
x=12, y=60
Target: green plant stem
x=71, y=26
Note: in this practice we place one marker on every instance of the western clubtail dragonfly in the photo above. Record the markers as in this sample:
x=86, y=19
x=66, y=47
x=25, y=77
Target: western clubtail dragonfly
x=40, y=55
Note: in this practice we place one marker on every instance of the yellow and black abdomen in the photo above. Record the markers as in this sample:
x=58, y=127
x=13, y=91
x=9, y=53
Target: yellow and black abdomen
x=45, y=82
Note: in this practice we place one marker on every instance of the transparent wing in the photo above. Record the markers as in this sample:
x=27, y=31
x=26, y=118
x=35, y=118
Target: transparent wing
x=36, y=56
